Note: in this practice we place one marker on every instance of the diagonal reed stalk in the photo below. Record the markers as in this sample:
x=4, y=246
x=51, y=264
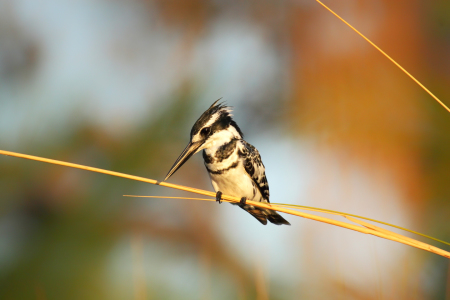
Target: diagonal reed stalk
x=310, y=208
x=364, y=228
x=387, y=56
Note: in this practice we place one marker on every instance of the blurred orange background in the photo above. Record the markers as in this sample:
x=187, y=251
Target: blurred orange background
x=118, y=85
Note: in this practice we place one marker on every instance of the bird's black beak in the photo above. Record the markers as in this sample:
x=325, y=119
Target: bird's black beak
x=190, y=149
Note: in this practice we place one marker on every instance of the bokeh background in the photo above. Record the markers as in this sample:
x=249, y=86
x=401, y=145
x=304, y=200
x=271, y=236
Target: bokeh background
x=117, y=85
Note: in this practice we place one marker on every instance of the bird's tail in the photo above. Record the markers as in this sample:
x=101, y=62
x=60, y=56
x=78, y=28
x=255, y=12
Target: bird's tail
x=276, y=219
x=262, y=215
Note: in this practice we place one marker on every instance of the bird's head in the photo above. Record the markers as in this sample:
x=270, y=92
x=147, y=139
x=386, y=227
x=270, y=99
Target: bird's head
x=214, y=128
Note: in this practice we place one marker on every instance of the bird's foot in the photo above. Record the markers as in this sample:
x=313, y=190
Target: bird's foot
x=243, y=201
x=219, y=197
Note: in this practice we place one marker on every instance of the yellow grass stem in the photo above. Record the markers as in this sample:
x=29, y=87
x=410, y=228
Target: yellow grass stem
x=385, y=54
x=117, y=174
x=329, y=211
x=394, y=236
x=373, y=230
x=295, y=206
x=166, y=197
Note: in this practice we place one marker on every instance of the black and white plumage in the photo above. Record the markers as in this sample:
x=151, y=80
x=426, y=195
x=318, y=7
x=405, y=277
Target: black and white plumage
x=234, y=166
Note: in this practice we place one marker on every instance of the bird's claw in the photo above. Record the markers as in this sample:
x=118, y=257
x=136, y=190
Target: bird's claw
x=219, y=197
x=243, y=201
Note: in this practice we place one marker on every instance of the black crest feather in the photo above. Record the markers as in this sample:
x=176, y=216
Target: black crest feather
x=223, y=121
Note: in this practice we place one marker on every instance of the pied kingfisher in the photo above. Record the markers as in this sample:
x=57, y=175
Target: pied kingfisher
x=234, y=166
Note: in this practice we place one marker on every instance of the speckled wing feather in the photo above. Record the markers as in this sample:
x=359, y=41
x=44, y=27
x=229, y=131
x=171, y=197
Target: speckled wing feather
x=255, y=168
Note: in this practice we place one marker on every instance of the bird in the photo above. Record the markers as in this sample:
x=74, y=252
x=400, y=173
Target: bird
x=234, y=166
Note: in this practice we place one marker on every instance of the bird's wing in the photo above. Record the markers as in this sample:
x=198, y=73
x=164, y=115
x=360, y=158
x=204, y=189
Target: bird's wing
x=255, y=168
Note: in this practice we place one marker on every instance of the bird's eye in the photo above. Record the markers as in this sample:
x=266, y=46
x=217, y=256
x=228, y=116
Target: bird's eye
x=205, y=131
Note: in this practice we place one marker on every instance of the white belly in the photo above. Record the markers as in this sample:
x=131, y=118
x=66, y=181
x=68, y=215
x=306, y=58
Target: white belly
x=236, y=182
